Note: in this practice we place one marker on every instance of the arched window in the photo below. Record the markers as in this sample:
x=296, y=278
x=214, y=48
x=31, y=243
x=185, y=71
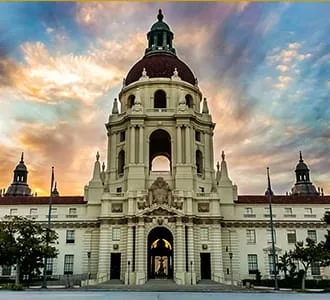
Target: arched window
x=160, y=150
x=121, y=162
x=161, y=163
x=199, y=162
x=130, y=101
x=160, y=99
x=189, y=100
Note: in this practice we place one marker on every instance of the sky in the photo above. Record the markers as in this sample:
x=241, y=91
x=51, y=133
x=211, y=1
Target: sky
x=264, y=68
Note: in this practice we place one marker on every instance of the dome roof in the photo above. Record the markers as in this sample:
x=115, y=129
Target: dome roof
x=301, y=166
x=160, y=65
x=21, y=167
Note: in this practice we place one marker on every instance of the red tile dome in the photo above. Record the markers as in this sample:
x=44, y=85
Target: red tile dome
x=160, y=65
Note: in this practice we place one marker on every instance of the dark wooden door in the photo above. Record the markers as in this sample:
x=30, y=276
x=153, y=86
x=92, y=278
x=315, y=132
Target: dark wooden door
x=205, y=266
x=115, y=266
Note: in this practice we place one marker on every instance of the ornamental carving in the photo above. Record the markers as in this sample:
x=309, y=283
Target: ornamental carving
x=117, y=207
x=160, y=193
x=203, y=207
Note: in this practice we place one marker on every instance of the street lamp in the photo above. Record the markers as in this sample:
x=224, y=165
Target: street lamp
x=128, y=269
x=231, y=260
x=88, y=266
x=191, y=272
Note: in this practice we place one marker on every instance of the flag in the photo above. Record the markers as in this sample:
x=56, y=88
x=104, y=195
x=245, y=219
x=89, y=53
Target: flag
x=269, y=191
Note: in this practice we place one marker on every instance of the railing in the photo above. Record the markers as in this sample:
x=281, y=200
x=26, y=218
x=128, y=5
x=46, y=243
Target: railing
x=160, y=110
x=289, y=216
x=249, y=215
x=72, y=216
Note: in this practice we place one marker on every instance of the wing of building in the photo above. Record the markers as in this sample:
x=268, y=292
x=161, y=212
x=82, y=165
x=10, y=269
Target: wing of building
x=158, y=208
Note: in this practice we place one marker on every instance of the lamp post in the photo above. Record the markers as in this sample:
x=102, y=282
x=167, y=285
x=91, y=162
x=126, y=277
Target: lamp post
x=128, y=269
x=44, y=283
x=191, y=272
x=269, y=195
x=231, y=260
x=88, y=266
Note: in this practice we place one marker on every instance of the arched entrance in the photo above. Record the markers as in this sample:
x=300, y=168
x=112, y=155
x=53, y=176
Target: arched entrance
x=160, y=253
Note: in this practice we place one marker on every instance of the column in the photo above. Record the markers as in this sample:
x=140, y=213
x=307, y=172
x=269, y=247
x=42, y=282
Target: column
x=192, y=273
x=188, y=145
x=207, y=151
x=216, y=254
x=178, y=144
x=141, y=145
x=179, y=253
x=128, y=277
x=140, y=254
x=109, y=152
x=164, y=39
x=132, y=145
x=104, y=252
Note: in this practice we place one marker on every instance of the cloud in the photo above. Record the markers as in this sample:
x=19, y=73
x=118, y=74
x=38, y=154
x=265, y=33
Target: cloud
x=282, y=68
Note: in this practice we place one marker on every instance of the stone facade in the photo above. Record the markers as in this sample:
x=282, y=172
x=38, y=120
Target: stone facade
x=183, y=221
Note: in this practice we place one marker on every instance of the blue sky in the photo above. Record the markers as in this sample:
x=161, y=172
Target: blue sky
x=264, y=68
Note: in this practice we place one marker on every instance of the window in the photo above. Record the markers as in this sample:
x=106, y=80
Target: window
x=49, y=266
x=308, y=211
x=121, y=162
x=160, y=99
x=252, y=263
x=119, y=190
x=271, y=264
x=130, y=101
x=116, y=234
x=267, y=212
x=70, y=236
x=54, y=212
x=122, y=136
x=68, y=264
x=315, y=268
x=6, y=270
x=33, y=211
x=189, y=100
x=199, y=162
x=248, y=212
x=13, y=211
x=269, y=235
x=311, y=234
x=204, y=234
x=201, y=189
x=197, y=136
x=288, y=211
x=251, y=236
x=291, y=236
x=72, y=211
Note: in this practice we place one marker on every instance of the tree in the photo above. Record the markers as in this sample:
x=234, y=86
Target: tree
x=326, y=244
x=24, y=243
x=307, y=254
x=287, y=266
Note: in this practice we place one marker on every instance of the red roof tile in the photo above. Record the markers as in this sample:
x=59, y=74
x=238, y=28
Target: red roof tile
x=283, y=199
x=21, y=200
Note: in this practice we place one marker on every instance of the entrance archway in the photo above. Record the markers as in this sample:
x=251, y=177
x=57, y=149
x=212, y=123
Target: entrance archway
x=160, y=253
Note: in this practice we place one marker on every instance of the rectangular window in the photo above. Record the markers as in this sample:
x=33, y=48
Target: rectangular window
x=291, y=236
x=269, y=236
x=68, y=264
x=6, y=270
x=116, y=234
x=122, y=136
x=308, y=211
x=252, y=263
x=49, y=266
x=72, y=211
x=251, y=236
x=197, y=136
x=315, y=269
x=204, y=234
x=271, y=264
x=13, y=211
x=53, y=212
x=70, y=236
x=248, y=212
x=311, y=234
x=201, y=189
x=288, y=211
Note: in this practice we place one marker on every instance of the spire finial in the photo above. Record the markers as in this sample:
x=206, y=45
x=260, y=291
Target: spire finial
x=223, y=155
x=22, y=157
x=218, y=166
x=97, y=156
x=160, y=16
x=300, y=156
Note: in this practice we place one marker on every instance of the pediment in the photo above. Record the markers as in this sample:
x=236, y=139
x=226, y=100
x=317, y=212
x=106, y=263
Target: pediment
x=160, y=210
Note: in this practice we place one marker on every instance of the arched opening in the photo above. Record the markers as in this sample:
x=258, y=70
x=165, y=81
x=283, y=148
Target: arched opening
x=161, y=163
x=160, y=99
x=130, y=101
x=160, y=145
x=121, y=162
x=199, y=162
x=189, y=100
x=160, y=253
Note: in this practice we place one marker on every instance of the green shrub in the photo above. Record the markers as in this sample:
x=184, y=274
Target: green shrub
x=12, y=287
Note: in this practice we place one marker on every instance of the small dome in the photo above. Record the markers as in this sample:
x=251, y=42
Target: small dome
x=301, y=166
x=160, y=25
x=160, y=65
x=21, y=167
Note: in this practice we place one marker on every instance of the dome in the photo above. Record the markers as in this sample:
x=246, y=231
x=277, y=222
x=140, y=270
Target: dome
x=301, y=166
x=21, y=167
x=160, y=26
x=160, y=65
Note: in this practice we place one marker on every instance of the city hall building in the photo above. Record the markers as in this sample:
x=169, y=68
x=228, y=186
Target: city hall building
x=160, y=207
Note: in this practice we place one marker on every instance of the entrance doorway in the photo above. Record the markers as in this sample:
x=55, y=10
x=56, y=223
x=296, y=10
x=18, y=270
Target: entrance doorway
x=205, y=266
x=115, y=261
x=160, y=253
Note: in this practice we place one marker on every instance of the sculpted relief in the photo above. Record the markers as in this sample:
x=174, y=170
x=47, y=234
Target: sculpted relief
x=160, y=194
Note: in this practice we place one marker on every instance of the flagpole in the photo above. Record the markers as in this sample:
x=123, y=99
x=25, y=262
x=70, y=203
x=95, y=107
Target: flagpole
x=269, y=195
x=44, y=283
